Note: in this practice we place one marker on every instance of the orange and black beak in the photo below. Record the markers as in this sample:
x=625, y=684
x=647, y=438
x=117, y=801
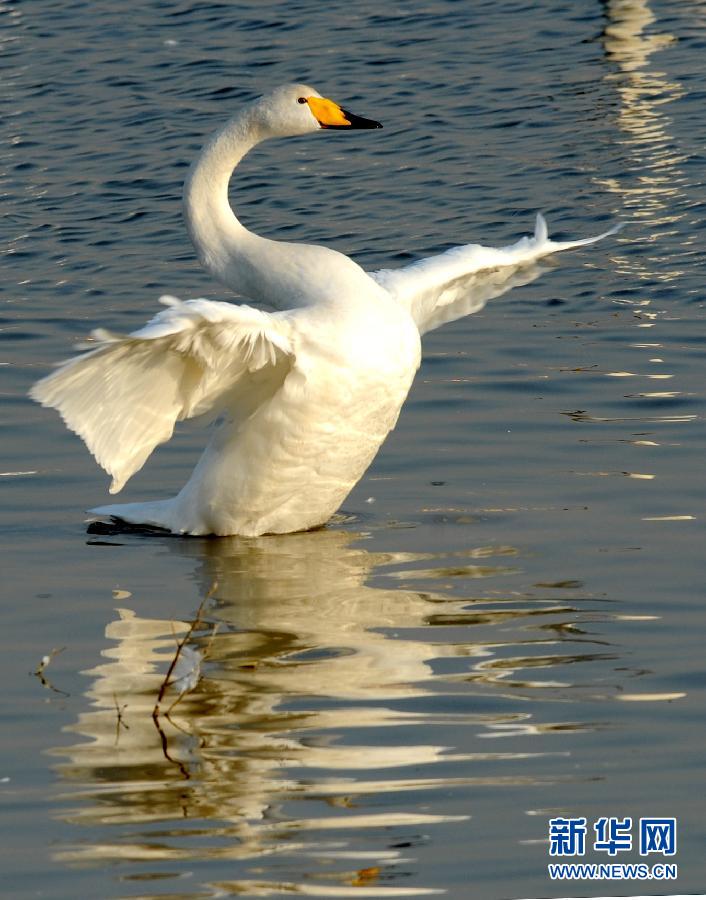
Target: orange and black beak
x=330, y=115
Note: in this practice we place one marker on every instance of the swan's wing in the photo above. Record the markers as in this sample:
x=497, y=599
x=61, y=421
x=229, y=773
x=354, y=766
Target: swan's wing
x=461, y=280
x=124, y=397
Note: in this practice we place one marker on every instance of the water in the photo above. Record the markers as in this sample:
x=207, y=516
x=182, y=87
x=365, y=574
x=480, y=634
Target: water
x=506, y=623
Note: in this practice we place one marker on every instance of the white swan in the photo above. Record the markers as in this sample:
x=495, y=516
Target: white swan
x=307, y=393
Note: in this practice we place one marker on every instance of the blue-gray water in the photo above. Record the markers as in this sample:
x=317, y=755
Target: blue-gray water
x=508, y=623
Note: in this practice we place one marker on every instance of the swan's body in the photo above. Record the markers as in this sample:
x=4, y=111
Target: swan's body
x=307, y=393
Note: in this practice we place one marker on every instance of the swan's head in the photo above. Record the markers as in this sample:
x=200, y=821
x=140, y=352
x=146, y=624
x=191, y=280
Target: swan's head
x=298, y=109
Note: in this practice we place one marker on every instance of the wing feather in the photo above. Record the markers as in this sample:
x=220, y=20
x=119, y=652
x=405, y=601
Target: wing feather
x=124, y=397
x=461, y=280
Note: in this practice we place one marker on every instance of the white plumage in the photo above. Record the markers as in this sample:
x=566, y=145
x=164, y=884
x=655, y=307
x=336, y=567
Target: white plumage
x=307, y=393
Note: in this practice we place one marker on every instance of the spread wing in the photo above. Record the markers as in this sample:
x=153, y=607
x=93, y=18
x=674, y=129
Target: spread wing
x=125, y=396
x=460, y=281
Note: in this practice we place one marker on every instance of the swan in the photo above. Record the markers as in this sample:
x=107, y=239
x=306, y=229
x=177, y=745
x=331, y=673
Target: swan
x=305, y=393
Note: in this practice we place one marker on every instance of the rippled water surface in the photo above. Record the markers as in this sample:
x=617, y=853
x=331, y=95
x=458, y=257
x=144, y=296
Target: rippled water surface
x=506, y=622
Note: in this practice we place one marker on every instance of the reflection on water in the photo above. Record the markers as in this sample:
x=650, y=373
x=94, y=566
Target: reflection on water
x=310, y=706
x=653, y=187
x=654, y=182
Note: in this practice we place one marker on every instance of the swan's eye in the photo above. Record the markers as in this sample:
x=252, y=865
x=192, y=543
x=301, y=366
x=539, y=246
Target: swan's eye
x=301, y=100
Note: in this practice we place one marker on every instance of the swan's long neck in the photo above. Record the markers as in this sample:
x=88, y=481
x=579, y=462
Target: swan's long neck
x=280, y=274
x=224, y=246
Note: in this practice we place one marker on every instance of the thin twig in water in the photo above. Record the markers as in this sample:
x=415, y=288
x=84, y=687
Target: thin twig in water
x=186, y=690
x=156, y=712
x=180, y=644
x=39, y=671
x=119, y=722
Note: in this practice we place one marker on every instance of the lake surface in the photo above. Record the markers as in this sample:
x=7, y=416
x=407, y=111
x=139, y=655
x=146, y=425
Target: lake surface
x=506, y=622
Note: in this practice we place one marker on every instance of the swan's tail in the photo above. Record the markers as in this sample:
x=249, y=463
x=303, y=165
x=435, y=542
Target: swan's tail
x=159, y=513
x=541, y=236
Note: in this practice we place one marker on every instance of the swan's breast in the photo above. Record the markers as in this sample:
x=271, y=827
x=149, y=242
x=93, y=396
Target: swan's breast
x=293, y=461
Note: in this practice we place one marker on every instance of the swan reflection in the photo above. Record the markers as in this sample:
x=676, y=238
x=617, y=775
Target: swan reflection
x=309, y=703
